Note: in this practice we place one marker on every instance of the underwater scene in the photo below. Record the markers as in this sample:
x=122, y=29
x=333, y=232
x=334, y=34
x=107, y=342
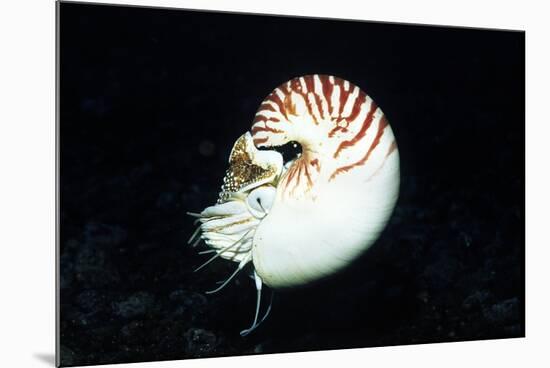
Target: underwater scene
x=237, y=184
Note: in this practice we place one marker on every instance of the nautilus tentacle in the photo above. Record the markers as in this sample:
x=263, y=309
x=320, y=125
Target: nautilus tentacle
x=301, y=220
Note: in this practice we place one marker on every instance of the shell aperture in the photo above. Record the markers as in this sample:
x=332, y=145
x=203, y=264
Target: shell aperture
x=302, y=220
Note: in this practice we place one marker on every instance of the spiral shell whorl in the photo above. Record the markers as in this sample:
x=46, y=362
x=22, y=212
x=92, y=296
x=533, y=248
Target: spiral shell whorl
x=334, y=200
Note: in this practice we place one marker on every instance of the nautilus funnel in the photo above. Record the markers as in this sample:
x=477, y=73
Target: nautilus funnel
x=309, y=188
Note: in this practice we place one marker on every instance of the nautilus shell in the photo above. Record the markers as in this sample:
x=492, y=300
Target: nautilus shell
x=300, y=218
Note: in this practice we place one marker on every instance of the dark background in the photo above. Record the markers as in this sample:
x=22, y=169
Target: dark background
x=151, y=101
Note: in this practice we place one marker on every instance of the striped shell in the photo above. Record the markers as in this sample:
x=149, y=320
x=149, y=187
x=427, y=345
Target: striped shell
x=336, y=198
x=307, y=218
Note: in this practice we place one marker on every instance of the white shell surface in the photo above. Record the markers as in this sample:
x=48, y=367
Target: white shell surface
x=334, y=201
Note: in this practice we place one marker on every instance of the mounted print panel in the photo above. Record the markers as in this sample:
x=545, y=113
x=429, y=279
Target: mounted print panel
x=237, y=184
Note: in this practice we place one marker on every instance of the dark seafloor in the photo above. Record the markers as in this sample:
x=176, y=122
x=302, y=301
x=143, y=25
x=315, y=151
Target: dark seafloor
x=151, y=102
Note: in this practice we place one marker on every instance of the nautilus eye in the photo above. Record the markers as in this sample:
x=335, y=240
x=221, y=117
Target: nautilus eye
x=290, y=151
x=309, y=188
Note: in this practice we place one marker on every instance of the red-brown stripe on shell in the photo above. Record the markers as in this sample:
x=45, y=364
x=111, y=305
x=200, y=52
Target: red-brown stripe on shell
x=339, y=126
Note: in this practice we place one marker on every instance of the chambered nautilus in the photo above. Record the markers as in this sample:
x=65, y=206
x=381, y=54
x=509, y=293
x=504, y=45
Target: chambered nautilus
x=296, y=219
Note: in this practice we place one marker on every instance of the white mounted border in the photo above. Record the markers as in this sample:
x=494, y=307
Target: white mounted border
x=27, y=142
